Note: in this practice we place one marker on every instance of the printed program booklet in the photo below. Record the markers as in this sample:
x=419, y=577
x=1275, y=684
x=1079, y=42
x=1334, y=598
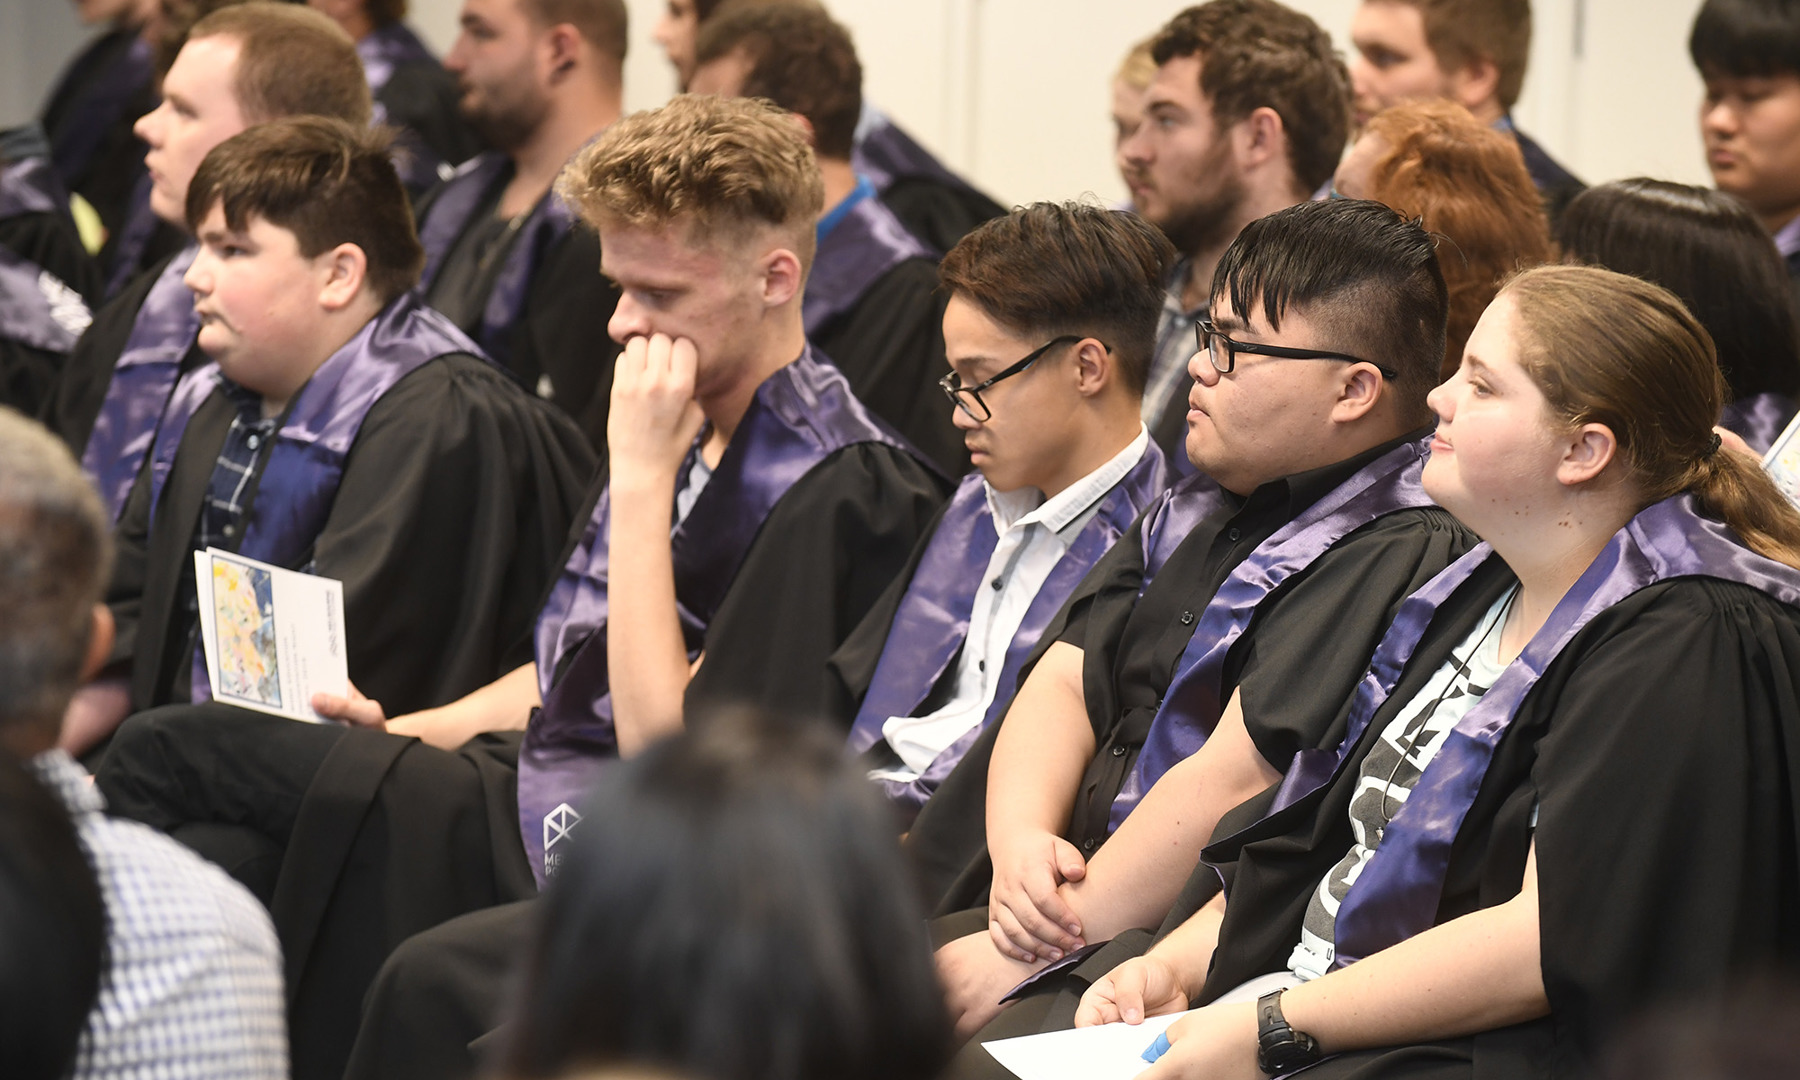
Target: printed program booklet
x=273, y=637
x=1782, y=462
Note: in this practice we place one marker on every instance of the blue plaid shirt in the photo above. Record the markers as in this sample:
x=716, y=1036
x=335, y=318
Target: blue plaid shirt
x=250, y=433
x=193, y=985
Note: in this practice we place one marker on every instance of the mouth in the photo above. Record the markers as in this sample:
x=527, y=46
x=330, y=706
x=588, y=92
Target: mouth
x=1439, y=445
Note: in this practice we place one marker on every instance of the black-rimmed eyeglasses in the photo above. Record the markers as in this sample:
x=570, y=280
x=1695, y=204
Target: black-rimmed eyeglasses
x=968, y=398
x=1222, y=351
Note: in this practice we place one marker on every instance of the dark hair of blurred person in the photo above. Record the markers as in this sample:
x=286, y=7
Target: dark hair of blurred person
x=1468, y=184
x=52, y=930
x=1709, y=250
x=735, y=909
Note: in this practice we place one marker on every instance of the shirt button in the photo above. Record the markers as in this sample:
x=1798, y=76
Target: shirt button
x=253, y=441
x=1089, y=844
x=231, y=530
x=1235, y=535
x=1187, y=618
x=981, y=665
x=998, y=583
x=1118, y=751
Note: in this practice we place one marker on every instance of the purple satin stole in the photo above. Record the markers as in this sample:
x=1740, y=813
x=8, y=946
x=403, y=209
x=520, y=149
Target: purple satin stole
x=78, y=139
x=884, y=153
x=1174, y=515
x=299, y=483
x=1759, y=418
x=799, y=416
x=37, y=308
x=1398, y=892
x=451, y=212
x=142, y=380
x=31, y=187
x=868, y=242
x=381, y=52
x=933, y=618
x=1195, y=699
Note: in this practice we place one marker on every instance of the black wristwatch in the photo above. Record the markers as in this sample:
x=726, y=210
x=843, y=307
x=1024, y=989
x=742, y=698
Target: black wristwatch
x=1280, y=1049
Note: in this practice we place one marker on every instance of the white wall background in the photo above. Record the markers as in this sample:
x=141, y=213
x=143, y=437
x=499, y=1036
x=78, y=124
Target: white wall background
x=1014, y=92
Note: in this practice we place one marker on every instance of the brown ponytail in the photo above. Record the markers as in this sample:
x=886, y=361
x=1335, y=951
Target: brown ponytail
x=1609, y=349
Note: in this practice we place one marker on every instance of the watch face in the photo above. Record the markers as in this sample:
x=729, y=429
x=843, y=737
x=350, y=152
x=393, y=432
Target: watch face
x=1287, y=1056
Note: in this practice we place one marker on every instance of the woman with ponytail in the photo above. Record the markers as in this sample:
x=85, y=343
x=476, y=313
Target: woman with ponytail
x=1563, y=790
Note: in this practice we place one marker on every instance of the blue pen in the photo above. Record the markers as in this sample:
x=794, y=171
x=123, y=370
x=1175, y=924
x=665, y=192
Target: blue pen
x=1157, y=1048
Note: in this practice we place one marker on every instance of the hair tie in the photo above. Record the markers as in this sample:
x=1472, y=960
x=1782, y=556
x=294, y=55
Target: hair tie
x=1714, y=448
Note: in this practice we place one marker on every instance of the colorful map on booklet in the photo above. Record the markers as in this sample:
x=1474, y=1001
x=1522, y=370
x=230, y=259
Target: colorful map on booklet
x=273, y=637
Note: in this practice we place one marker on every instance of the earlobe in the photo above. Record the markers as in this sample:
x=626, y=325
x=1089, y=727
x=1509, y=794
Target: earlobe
x=781, y=277
x=1589, y=453
x=1093, y=368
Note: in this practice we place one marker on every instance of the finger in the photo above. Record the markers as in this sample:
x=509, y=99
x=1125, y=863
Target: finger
x=1049, y=918
x=1012, y=939
x=1128, y=993
x=329, y=705
x=1097, y=1005
x=684, y=360
x=656, y=356
x=629, y=367
x=1069, y=862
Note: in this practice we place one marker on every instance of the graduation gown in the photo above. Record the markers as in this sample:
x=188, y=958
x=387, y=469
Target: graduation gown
x=937, y=205
x=546, y=314
x=1135, y=615
x=1656, y=746
x=1555, y=183
x=453, y=476
x=89, y=117
x=415, y=95
x=40, y=316
x=873, y=306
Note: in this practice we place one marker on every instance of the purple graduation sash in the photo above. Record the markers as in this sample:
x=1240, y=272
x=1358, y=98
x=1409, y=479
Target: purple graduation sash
x=142, y=380
x=451, y=212
x=1173, y=516
x=78, y=138
x=866, y=243
x=799, y=416
x=37, y=308
x=134, y=237
x=1759, y=418
x=1398, y=892
x=1191, y=708
x=933, y=617
x=30, y=187
x=297, y=486
x=386, y=48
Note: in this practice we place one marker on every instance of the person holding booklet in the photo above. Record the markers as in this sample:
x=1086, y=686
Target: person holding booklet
x=1050, y=324
x=343, y=429
x=1290, y=551
x=1422, y=896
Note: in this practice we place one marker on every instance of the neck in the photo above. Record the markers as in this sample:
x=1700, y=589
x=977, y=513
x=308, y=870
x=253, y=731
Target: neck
x=727, y=398
x=573, y=119
x=340, y=327
x=1489, y=112
x=1105, y=437
x=840, y=181
x=357, y=24
x=1259, y=201
x=1548, y=552
x=1777, y=220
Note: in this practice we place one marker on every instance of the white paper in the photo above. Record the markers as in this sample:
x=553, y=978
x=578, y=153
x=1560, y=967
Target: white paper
x=1107, y=1052
x=273, y=637
x=1782, y=462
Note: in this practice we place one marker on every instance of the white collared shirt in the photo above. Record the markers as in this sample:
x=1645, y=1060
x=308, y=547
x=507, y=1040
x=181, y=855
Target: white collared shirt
x=1034, y=533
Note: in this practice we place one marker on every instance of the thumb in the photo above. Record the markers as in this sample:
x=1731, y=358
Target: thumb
x=1069, y=862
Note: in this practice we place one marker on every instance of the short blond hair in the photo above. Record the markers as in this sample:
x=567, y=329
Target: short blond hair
x=1138, y=69
x=727, y=167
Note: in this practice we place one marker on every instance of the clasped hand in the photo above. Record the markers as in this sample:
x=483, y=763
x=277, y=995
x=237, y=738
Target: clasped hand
x=653, y=418
x=1027, y=918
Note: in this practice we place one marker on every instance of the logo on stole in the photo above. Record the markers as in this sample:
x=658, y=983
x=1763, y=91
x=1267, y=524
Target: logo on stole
x=559, y=824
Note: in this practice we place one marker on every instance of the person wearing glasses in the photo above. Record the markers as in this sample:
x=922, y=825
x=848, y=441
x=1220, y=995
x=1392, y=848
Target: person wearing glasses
x=1063, y=467
x=1220, y=637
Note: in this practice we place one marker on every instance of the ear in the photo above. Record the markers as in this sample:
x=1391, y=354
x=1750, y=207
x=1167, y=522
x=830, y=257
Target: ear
x=345, y=268
x=561, y=51
x=1093, y=368
x=1360, y=389
x=1474, y=84
x=782, y=277
x=101, y=629
x=1586, y=454
x=812, y=137
x=1260, y=139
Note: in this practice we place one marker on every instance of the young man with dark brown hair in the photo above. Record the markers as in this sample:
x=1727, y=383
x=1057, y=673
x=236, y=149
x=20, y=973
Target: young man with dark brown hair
x=412, y=91
x=1051, y=319
x=1472, y=52
x=1247, y=114
x=540, y=79
x=793, y=507
x=241, y=65
x=872, y=302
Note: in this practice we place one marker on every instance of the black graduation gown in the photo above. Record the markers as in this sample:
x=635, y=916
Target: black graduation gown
x=420, y=100
x=80, y=390
x=1660, y=746
x=107, y=176
x=454, y=500
x=393, y=837
x=1325, y=621
x=1556, y=184
x=890, y=346
x=561, y=333
x=48, y=241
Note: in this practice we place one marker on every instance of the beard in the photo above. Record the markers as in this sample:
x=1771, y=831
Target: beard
x=1208, y=218
x=505, y=115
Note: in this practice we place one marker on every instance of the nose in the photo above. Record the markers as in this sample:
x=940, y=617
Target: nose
x=198, y=278
x=149, y=126
x=456, y=60
x=629, y=320
x=1441, y=401
x=1200, y=369
x=1134, y=148
x=1717, y=117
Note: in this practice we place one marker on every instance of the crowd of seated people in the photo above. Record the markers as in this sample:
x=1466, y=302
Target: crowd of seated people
x=803, y=619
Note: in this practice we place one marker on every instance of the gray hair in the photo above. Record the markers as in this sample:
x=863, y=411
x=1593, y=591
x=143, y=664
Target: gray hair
x=55, y=559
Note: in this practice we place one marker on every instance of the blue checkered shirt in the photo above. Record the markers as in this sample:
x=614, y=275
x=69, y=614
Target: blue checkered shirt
x=236, y=464
x=193, y=987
